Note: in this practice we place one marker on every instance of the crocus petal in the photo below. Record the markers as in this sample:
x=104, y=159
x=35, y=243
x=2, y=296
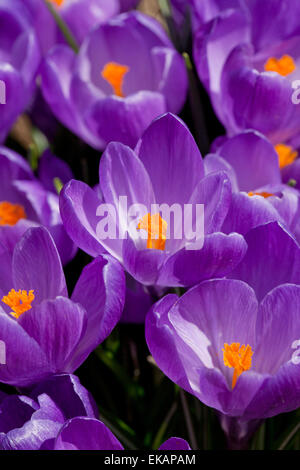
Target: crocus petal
x=177, y=159
x=247, y=212
x=278, y=328
x=14, y=98
x=172, y=77
x=175, y=443
x=261, y=165
x=86, y=434
x=214, y=192
x=36, y=265
x=125, y=119
x=26, y=363
x=213, y=162
x=219, y=256
x=272, y=258
x=78, y=207
x=121, y=174
x=101, y=291
x=43, y=426
x=57, y=326
x=56, y=74
x=68, y=393
x=142, y=264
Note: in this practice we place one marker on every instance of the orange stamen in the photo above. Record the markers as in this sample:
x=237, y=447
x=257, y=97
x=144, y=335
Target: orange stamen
x=262, y=194
x=19, y=301
x=57, y=2
x=157, y=230
x=286, y=154
x=10, y=214
x=284, y=66
x=239, y=357
x=114, y=74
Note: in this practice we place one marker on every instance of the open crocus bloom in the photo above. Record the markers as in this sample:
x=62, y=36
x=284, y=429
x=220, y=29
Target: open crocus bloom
x=84, y=433
x=233, y=353
x=26, y=201
x=259, y=195
x=44, y=331
x=258, y=51
x=33, y=421
x=126, y=74
x=19, y=61
x=165, y=168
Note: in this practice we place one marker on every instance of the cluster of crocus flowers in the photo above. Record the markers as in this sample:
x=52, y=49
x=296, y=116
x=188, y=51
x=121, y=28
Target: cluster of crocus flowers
x=257, y=47
x=223, y=231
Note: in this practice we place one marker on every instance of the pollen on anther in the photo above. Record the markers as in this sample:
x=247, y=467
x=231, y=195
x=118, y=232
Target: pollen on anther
x=19, y=301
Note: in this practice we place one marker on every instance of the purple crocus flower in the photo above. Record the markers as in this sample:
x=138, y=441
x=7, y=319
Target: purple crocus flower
x=80, y=16
x=233, y=353
x=84, y=433
x=259, y=195
x=44, y=331
x=26, y=201
x=165, y=168
x=126, y=74
x=19, y=61
x=33, y=421
x=251, y=83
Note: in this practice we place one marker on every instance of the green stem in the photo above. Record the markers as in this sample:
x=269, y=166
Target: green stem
x=188, y=420
x=63, y=27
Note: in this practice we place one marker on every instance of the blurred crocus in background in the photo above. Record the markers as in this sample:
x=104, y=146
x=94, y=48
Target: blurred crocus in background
x=124, y=76
x=258, y=175
x=19, y=61
x=252, y=85
x=26, y=201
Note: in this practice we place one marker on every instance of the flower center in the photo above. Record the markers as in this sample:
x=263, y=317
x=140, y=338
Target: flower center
x=284, y=66
x=114, y=74
x=19, y=301
x=157, y=230
x=286, y=154
x=10, y=214
x=262, y=194
x=239, y=357
x=57, y=2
